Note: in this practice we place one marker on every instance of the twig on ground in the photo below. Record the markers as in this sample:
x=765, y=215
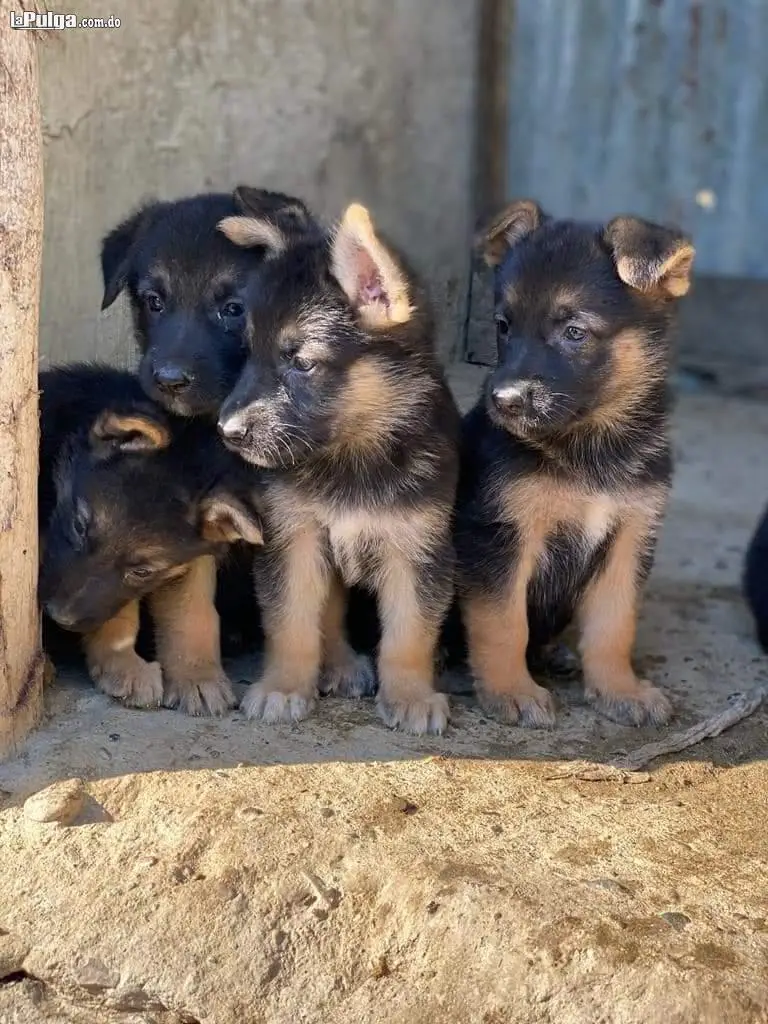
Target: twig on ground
x=626, y=768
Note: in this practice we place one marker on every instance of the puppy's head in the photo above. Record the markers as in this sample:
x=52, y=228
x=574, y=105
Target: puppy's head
x=186, y=284
x=582, y=316
x=323, y=316
x=128, y=519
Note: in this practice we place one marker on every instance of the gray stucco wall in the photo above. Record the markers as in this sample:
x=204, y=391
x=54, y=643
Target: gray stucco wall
x=331, y=99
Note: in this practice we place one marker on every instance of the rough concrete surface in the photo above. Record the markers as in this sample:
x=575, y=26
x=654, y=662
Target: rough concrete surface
x=232, y=873
x=333, y=101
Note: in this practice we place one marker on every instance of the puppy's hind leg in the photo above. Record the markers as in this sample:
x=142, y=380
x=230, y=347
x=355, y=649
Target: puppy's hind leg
x=114, y=665
x=345, y=672
x=187, y=636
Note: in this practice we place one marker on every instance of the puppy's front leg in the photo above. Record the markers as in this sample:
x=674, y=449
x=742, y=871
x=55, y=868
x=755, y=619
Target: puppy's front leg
x=345, y=672
x=114, y=665
x=496, y=620
x=292, y=580
x=187, y=638
x=607, y=616
x=414, y=595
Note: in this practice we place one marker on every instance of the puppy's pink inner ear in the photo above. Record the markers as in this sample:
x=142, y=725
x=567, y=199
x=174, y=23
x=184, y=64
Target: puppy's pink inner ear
x=370, y=286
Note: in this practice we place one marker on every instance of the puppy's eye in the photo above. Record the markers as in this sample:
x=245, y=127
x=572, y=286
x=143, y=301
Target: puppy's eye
x=138, y=573
x=154, y=302
x=303, y=364
x=232, y=309
x=502, y=326
x=573, y=333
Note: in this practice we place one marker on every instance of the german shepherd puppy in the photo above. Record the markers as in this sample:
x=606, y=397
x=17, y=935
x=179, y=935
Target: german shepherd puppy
x=566, y=459
x=756, y=579
x=186, y=284
x=343, y=403
x=134, y=503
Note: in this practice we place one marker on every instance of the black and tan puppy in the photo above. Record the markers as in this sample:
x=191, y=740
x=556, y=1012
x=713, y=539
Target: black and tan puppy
x=566, y=460
x=135, y=503
x=756, y=579
x=186, y=284
x=343, y=402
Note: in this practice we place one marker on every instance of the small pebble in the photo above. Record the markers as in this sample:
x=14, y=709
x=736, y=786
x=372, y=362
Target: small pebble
x=61, y=802
x=611, y=885
x=675, y=920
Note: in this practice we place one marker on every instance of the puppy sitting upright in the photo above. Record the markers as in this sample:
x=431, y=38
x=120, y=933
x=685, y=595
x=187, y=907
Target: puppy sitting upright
x=132, y=504
x=343, y=401
x=187, y=286
x=566, y=461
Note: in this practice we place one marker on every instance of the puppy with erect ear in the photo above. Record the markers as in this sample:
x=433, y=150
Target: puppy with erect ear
x=568, y=464
x=343, y=400
x=137, y=505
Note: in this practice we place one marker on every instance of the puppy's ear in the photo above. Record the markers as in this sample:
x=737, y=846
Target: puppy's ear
x=367, y=272
x=134, y=431
x=117, y=250
x=287, y=211
x=255, y=232
x=649, y=257
x=506, y=229
x=224, y=519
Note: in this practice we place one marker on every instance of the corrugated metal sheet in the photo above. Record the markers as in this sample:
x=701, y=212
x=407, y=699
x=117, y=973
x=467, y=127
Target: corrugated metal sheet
x=655, y=107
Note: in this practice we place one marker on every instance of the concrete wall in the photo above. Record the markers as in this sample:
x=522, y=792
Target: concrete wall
x=331, y=99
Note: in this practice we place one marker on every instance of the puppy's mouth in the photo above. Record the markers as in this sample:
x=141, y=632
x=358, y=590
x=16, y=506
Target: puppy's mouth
x=267, y=450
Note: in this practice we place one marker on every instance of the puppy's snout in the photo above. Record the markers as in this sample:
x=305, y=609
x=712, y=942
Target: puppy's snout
x=60, y=614
x=232, y=429
x=171, y=379
x=512, y=399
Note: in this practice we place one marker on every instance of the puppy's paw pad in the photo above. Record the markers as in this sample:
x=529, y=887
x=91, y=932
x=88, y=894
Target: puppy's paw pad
x=273, y=706
x=139, y=686
x=424, y=715
x=213, y=696
x=533, y=708
x=355, y=678
x=643, y=704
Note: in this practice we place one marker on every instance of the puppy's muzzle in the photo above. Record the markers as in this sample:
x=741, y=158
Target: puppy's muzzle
x=513, y=399
x=170, y=379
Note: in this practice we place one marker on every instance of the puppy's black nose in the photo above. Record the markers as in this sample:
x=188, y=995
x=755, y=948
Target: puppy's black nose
x=511, y=398
x=59, y=614
x=171, y=378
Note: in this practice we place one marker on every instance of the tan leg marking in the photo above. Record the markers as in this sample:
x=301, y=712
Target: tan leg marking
x=114, y=665
x=607, y=618
x=407, y=699
x=345, y=673
x=286, y=691
x=497, y=639
x=187, y=638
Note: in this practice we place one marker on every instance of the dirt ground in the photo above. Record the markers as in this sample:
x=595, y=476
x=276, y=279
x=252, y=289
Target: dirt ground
x=223, y=871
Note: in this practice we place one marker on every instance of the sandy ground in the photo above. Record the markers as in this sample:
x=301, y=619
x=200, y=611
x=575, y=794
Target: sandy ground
x=695, y=640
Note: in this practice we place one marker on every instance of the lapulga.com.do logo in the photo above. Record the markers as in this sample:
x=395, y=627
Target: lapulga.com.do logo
x=47, y=19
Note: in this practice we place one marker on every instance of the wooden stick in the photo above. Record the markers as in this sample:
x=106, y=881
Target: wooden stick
x=741, y=706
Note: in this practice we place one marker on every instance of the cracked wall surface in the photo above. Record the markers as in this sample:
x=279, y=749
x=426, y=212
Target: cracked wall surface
x=335, y=102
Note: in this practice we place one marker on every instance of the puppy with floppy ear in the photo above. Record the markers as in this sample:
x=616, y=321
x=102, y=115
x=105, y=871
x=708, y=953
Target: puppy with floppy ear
x=186, y=283
x=135, y=504
x=567, y=462
x=342, y=398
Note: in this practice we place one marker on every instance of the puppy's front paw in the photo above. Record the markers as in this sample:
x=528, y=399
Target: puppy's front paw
x=354, y=677
x=203, y=691
x=262, y=700
x=530, y=706
x=135, y=682
x=424, y=714
x=631, y=702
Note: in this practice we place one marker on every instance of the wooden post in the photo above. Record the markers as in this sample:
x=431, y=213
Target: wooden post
x=21, y=236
